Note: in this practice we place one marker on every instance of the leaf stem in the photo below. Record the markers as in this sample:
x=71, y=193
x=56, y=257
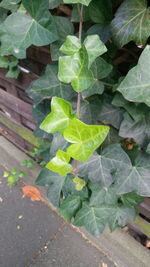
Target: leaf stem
x=80, y=10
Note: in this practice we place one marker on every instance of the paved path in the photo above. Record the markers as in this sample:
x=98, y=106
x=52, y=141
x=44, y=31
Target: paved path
x=33, y=235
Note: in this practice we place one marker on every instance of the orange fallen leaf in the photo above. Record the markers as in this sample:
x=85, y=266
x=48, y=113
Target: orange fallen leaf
x=32, y=192
x=148, y=243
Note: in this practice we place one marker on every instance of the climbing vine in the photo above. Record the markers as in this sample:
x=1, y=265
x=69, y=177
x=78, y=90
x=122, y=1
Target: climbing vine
x=91, y=104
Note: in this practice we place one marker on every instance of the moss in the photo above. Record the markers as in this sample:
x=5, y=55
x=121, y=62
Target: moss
x=20, y=130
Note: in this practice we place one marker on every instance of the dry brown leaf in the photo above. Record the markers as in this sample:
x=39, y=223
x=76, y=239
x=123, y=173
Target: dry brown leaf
x=32, y=192
x=148, y=243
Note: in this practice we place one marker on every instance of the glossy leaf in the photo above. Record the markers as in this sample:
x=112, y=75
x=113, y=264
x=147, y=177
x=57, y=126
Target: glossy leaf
x=71, y=46
x=54, y=182
x=60, y=163
x=37, y=28
x=79, y=183
x=48, y=86
x=100, y=168
x=102, y=195
x=83, y=2
x=74, y=69
x=60, y=116
x=135, y=86
x=85, y=139
x=131, y=23
x=69, y=207
x=9, y=4
x=100, y=12
x=138, y=130
x=95, y=47
x=136, y=178
x=90, y=218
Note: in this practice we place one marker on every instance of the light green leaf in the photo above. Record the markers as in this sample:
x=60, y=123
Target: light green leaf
x=59, y=163
x=55, y=183
x=48, y=86
x=135, y=86
x=131, y=22
x=74, y=69
x=136, y=178
x=71, y=46
x=69, y=207
x=83, y=2
x=85, y=139
x=37, y=28
x=100, y=168
x=60, y=116
x=95, y=47
x=79, y=183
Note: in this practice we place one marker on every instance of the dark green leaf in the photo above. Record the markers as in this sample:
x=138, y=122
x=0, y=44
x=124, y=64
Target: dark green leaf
x=100, y=168
x=55, y=183
x=69, y=207
x=131, y=22
x=135, y=86
x=48, y=86
x=100, y=11
x=131, y=199
x=136, y=178
x=54, y=3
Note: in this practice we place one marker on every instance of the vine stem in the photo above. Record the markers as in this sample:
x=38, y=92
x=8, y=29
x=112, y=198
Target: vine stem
x=80, y=10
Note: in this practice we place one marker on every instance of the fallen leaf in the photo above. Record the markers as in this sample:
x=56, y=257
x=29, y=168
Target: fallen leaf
x=148, y=243
x=32, y=192
x=103, y=264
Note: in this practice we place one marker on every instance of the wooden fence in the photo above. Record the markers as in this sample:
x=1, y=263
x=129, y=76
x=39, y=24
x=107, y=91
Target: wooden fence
x=17, y=124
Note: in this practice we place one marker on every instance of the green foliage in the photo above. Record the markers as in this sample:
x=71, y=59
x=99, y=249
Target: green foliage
x=13, y=176
x=91, y=105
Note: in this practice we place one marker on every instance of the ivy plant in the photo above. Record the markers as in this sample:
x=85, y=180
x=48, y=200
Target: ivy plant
x=91, y=104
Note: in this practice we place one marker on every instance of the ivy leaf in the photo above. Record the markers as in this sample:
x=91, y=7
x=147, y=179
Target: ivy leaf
x=100, y=68
x=64, y=27
x=74, y=69
x=101, y=195
x=57, y=143
x=83, y=2
x=79, y=183
x=59, y=163
x=135, y=86
x=136, y=178
x=37, y=28
x=100, y=168
x=131, y=22
x=95, y=47
x=109, y=114
x=85, y=139
x=69, y=207
x=100, y=12
x=48, y=86
x=55, y=183
x=71, y=46
x=70, y=189
x=131, y=199
x=90, y=218
x=138, y=130
x=60, y=116
x=94, y=218
x=96, y=88
x=9, y=4
x=54, y=3
x=119, y=216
